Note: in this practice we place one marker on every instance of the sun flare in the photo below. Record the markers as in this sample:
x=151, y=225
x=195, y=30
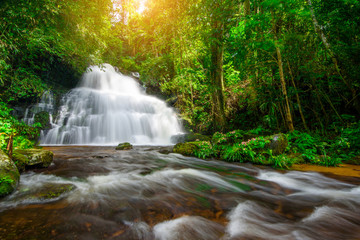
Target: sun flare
x=141, y=7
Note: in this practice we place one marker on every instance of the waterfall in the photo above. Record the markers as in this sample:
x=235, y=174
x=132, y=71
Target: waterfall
x=46, y=104
x=108, y=108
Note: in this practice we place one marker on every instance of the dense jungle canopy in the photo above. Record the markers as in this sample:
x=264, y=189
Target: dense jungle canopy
x=225, y=64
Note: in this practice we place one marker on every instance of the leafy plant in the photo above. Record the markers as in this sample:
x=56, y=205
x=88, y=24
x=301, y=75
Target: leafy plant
x=6, y=179
x=24, y=136
x=250, y=150
x=303, y=143
x=204, y=150
x=281, y=161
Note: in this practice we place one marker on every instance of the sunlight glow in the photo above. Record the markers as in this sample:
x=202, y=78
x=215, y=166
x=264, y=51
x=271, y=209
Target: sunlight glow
x=142, y=7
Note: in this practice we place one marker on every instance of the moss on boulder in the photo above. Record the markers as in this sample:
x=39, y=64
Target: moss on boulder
x=187, y=149
x=9, y=175
x=189, y=137
x=52, y=191
x=30, y=158
x=278, y=143
x=21, y=161
x=124, y=146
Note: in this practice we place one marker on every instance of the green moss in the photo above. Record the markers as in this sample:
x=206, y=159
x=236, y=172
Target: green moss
x=9, y=175
x=124, y=146
x=53, y=191
x=35, y=157
x=187, y=149
x=278, y=143
x=203, y=188
x=193, y=137
x=240, y=185
x=6, y=186
x=20, y=160
x=203, y=201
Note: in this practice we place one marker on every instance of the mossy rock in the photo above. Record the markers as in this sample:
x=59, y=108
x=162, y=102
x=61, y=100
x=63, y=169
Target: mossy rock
x=9, y=175
x=189, y=137
x=278, y=143
x=20, y=160
x=43, y=118
x=33, y=158
x=124, y=146
x=187, y=149
x=47, y=192
x=51, y=191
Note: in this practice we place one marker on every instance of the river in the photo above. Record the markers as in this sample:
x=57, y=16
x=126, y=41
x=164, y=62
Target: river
x=146, y=193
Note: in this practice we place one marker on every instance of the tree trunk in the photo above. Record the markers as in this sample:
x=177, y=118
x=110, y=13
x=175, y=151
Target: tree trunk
x=288, y=117
x=298, y=99
x=9, y=146
x=326, y=43
x=247, y=7
x=216, y=75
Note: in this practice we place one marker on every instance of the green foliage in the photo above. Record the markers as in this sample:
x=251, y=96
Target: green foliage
x=303, y=143
x=346, y=146
x=24, y=136
x=6, y=179
x=247, y=151
x=281, y=161
x=315, y=150
x=204, y=150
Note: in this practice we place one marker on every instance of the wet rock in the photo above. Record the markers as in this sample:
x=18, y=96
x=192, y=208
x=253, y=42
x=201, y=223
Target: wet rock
x=124, y=146
x=9, y=175
x=278, y=143
x=47, y=192
x=189, y=137
x=31, y=158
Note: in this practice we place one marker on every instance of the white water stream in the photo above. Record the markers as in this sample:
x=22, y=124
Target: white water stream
x=108, y=108
x=142, y=194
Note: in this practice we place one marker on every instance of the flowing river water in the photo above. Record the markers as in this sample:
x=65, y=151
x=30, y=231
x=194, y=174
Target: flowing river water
x=147, y=193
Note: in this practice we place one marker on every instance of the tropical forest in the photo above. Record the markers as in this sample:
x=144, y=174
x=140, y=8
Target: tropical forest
x=171, y=120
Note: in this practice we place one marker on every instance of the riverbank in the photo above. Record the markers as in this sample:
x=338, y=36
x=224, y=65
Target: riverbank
x=348, y=170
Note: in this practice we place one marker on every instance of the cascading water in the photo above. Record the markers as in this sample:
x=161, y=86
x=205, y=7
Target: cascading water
x=46, y=104
x=107, y=108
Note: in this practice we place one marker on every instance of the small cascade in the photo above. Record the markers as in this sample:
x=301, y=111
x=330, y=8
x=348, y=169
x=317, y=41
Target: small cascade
x=46, y=104
x=108, y=108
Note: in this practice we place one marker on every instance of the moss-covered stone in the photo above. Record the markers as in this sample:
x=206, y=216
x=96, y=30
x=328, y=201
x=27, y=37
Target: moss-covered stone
x=9, y=175
x=33, y=158
x=43, y=118
x=21, y=161
x=189, y=137
x=51, y=191
x=124, y=146
x=187, y=149
x=278, y=143
x=47, y=192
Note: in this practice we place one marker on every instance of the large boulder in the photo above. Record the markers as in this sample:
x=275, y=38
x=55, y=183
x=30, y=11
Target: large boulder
x=278, y=143
x=9, y=175
x=186, y=149
x=32, y=158
x=124, y=146
x=189, y=137
x=49, y=191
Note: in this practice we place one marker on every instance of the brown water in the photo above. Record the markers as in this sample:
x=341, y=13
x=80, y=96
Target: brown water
x=144, y=194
